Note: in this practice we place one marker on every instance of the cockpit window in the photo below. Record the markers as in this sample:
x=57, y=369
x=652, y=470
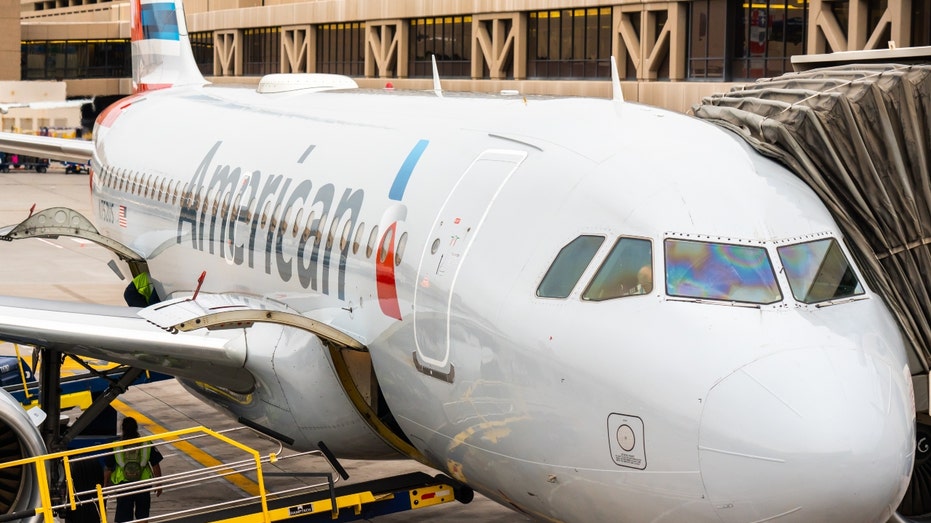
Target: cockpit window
x=568, y=267
x=718, y=271
x=818, y=271
x=627, y=271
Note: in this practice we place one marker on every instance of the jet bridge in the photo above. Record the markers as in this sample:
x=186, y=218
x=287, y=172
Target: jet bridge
x=860, y=136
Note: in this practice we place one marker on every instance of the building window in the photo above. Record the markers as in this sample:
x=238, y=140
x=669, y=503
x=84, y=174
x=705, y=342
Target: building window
x=755, y=40
x=449, y=39
x=69, y=59
x=261, y=51
x=341, y=48
x=202, y=45
x=570, y=43
x=766, y=36
x=706, y=39
x=921, y=23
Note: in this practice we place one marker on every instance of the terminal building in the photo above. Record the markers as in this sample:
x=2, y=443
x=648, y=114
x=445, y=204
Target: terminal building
x=670, y=53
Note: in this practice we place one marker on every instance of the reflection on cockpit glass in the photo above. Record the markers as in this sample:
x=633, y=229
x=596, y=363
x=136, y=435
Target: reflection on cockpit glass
x=627, y=271
x=719, y=271
x=818, y=271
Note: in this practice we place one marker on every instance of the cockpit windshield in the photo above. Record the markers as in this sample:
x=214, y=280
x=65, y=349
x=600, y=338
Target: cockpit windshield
x=818, y=271
x=719, y=271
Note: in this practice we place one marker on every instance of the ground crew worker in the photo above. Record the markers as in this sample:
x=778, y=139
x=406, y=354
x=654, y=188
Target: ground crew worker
x=140, y=292
x=133, y=463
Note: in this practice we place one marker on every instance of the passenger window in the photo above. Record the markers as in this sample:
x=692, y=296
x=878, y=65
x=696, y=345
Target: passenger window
x=568, y=267
x=627, y=271
x=370, y=246
x=719, y=271
x=209, y=197
x=308, y=227
x=344, y=238
x=264, y=220
x=225, y=201
x=236, y=206
x=402, y=245
x=276, y=217
x=385, y=245
x=818, y=271
x=332, y=234
x=252, y=209
x=297, y=221
x=318, y=228
x=358, y=239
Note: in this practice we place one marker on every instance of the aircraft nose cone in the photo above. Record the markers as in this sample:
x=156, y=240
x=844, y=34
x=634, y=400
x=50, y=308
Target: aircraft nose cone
x=818, y=434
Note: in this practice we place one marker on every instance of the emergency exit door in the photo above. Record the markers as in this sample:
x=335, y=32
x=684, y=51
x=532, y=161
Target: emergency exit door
x=457, y=225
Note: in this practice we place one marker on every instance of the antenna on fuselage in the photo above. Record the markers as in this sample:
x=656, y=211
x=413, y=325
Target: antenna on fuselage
x=616, y=94
x=436, y=78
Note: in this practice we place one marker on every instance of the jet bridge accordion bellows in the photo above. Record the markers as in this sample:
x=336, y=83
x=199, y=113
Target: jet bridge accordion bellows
x=859, y=136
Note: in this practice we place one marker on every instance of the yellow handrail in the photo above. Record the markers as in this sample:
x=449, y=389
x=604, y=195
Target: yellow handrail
x=41, y=465
x=22, y=372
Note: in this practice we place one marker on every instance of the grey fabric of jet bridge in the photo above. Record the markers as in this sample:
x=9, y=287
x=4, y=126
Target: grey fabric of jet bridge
x=860, y=136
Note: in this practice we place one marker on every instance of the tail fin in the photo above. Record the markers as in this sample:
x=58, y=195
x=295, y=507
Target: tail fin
x=162, y=55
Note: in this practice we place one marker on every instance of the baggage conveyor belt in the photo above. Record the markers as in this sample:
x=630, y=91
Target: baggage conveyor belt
x=366, y=500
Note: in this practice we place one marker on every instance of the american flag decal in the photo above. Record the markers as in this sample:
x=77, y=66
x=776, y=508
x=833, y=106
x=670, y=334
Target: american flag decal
x=122, y=216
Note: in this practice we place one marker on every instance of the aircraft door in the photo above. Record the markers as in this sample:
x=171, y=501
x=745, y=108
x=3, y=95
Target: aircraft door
x=455, y=228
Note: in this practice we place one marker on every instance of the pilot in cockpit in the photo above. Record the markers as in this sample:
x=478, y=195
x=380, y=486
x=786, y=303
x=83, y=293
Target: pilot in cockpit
x=644, y=281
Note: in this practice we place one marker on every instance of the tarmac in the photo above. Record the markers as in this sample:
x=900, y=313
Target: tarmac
x=72, y=270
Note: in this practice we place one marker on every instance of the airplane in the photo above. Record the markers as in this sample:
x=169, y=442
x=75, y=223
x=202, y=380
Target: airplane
x=586, y=310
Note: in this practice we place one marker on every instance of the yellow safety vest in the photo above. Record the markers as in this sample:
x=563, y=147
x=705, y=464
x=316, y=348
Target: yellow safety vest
x=132, y=464
x=143, y=286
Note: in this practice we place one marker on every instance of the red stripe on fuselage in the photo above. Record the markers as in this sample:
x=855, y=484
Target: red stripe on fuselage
x=384, y=275
x=141, y=88
x=111, y=113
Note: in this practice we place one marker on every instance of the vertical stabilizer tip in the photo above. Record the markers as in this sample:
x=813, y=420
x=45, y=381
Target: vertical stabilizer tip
x=616, y=94
x=436, y=78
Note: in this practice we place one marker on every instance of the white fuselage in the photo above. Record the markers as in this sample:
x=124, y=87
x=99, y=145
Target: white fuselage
x=641, y=408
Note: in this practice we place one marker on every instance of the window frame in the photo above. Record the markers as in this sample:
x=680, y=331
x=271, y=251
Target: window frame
x=553, y=265
x=711, y=241
x=851, y=267
x=602, y=266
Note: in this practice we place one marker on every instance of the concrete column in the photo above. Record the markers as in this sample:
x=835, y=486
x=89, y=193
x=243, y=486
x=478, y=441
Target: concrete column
x=295, y=49
x=10, y=37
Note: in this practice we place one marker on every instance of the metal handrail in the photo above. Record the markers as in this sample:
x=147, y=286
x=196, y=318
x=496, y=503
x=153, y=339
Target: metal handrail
x=175, y=481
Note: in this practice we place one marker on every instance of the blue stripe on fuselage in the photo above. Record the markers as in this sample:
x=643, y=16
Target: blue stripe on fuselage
x=404, y=173
x=160, y=21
